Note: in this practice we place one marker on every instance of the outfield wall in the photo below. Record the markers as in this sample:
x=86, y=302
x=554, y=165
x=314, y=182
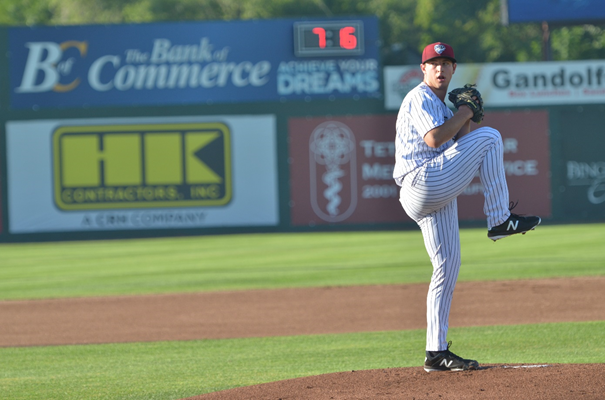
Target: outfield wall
x=258, y=126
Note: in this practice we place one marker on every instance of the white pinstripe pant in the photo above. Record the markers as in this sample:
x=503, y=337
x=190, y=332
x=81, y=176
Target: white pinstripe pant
x=428, y=196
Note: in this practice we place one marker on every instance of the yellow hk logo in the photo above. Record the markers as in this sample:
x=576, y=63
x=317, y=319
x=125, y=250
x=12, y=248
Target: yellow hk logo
x=134, y=166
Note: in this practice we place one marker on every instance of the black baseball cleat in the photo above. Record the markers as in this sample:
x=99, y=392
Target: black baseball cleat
x=447, y=361
x=514, y=224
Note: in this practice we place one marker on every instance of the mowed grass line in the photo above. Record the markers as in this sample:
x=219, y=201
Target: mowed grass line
x=173, y=370
x=252, y=261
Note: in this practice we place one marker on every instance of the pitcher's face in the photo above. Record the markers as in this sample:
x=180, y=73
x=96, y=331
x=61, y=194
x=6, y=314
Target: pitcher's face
x=438, y=72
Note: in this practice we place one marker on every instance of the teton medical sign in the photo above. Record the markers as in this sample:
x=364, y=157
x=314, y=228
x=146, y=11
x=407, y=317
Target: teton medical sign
x=191, y=63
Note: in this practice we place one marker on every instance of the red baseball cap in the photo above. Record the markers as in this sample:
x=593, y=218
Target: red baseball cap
x=435, y=50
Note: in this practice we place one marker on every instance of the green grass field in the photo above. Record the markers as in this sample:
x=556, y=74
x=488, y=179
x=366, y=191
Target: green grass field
x=101, y=268
x=171, y=370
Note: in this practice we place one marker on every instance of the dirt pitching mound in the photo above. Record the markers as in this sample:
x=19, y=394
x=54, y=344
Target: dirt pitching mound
x=536, y=382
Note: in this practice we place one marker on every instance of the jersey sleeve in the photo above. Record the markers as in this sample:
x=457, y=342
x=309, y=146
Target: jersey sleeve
x=425, y=113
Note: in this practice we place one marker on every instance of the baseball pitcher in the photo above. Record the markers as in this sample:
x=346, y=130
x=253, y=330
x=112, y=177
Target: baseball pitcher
x=437, y=156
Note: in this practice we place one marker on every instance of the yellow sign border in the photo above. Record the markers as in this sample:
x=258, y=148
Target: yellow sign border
x=219, y=126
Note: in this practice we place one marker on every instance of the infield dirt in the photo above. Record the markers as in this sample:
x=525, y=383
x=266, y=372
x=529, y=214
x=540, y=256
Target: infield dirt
x=280, y=312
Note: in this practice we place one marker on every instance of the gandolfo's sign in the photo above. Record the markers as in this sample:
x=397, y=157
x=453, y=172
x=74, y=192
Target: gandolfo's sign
x=513, y=84
x=193, y=63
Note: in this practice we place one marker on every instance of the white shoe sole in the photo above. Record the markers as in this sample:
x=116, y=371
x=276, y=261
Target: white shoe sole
x=443, y=370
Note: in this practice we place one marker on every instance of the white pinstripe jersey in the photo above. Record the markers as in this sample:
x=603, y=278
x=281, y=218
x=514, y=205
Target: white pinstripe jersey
x=420, y=112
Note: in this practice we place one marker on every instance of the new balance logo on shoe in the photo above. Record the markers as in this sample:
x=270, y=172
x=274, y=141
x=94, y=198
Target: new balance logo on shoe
x=512, y=225
x=447, y=364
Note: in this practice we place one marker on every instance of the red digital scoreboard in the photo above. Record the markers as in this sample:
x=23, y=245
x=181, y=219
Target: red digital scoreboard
x=328, y=38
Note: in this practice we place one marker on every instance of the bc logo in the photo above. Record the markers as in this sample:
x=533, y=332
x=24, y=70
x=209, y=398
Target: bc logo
x=45, y=59
x=134, y=166
x=333, y=167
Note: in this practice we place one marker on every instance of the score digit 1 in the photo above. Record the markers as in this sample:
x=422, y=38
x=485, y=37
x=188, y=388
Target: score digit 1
x=347, y=38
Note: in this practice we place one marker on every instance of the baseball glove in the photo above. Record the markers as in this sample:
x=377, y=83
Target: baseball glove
x=464, y=97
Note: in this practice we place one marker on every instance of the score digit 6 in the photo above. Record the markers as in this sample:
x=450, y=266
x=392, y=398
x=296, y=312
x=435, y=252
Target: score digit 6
x=347, y=38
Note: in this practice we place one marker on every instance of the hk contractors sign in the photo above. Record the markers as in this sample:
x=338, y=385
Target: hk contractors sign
x=513, y=84
x=193, y=63
x=141, y=173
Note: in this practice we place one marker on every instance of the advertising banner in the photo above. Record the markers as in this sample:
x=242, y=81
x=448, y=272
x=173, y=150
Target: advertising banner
x=570, y=11
x=141, y=173
x=341, y=169
x=512, y=84
x=525, y=136
x=193, y=62
x=1, y=210
x=585, y=189
x=582, y=167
